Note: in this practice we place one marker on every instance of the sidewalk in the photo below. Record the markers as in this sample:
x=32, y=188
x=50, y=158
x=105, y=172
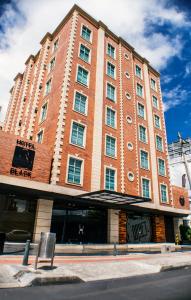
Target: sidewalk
x=86, y=268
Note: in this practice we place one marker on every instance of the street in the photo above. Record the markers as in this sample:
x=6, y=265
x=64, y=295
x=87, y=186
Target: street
x=171, y=285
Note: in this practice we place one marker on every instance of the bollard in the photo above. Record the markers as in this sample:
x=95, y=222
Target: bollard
x=177, y=239
x=26, y=253
x=115, y=250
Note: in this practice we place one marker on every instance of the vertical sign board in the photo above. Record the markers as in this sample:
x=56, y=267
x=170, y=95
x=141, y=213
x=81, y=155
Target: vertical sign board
x=23, y=159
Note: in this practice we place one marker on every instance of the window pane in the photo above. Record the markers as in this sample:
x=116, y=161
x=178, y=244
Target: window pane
x=84, y=53
x=82, y=76
x=111, y=51
x=139, y=90
x=155, y=102
x=161, y=167
x=74, y=170
x=138, y=71
x=110, y=179
x=159, y=143
x=142, y=134
x=110, y=92
x=110, y=117
x=144, y=160
x=146, y=188
x=163, y=193
x=86, y=33
x=141, y=110
x=77, y=137
x=80, y=103
x=110, y=70
x=110, y=146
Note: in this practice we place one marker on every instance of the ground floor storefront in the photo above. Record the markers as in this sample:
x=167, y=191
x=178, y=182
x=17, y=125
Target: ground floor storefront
x=24, y=217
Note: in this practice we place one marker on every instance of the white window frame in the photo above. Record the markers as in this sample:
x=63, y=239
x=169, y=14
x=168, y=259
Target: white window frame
x=89, y=61
x=86, y=109
x=160, y=158
x=41, y=130
x=159, y=121
x=141, y=149
x=146, y=134
x=40, y=118
x=108, y=43
x=82, y=170
x=88, y=81
x=91, y=35
x=111, y=136
x=145, y=117
x=144, y=177
x=110, y=107
x=141, y=77
x=112, y=168
x=154, y=89
x=85, y=130
x=107, y=61
x=156, y=143
x=167, y=202
x=115, y=98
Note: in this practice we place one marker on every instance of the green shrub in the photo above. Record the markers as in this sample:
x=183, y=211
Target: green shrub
x=185, y=232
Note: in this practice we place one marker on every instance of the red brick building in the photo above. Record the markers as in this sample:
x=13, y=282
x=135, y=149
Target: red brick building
x=87, y=116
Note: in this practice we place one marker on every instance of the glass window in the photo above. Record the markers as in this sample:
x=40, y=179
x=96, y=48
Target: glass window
x=142, y=134
x=52, y=64
x=138, y=71
x=161, y=166
x=155, y=102
x=110, y=70
x=110, y=92
x=82, y=76
x=39, y=137
x=77, y=137
x=153, y=84
x=159, y=144
x=110, y=179
x=74, y=170
x=110, y=146
x=110, y=121
x=86, y=33
x=164, y=196
x=141, y=110
x=157, y=121
x=43, y=112
x=144, y=160
x=55, y=46
x=111, y=50
x=146, y=188
x=80, y=103
x=139, y=90
x=48, y=87
x=84, y=53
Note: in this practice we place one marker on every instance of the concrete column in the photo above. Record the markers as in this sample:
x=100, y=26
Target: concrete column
x=113, y=226
x=43, y=218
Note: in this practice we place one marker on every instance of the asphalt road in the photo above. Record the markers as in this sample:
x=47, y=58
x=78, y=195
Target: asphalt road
x=171, y=285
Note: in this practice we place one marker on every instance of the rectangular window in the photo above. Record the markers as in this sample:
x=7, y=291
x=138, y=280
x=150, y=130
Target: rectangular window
x=55, y=46
x=111, y=50
x=86, y=33
x=74, y=170
x=110, y=70
x=110, y=120
x=43, y=112
x=163, y=190
x=84, y=53
x=161, y=167
x=157, y=121
x=82, y=76
x=142, y=134
x=52, y=64
x=110, y=146
x=139, y=90
x=159, y=144
x=144, y=160
x=110, y=92
x=141, y=110
x=155, y=102
x=80, y=103
x=138, y=71
x=146, y=188
x=153, y=84
x=39, y=137
x=48, y=87
x=109, y=179
x=77, y=136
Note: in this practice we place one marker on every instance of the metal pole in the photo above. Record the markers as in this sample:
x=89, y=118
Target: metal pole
x=26, y=253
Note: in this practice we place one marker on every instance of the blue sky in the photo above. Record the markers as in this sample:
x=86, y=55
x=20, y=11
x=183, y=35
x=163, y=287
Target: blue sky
x=161, y=32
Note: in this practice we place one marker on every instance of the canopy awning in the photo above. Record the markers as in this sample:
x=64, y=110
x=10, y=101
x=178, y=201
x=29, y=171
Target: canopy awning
x=112, y=198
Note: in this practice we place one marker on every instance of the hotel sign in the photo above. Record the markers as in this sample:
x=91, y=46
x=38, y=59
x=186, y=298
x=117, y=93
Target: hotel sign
x=23, y=159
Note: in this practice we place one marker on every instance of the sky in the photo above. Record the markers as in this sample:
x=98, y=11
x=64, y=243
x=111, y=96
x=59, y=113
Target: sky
x=160, y=30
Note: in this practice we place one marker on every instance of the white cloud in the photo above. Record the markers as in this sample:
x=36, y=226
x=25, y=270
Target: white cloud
x=175, y=97
x=127, y=18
